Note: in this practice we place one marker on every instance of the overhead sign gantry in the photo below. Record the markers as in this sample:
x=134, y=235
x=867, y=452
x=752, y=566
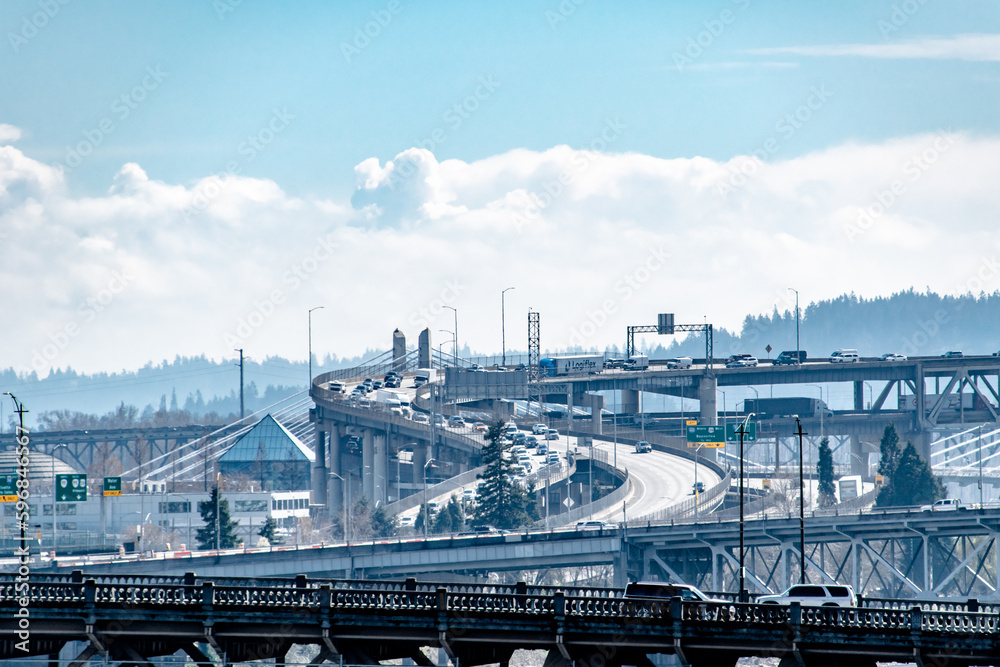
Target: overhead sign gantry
x=665, y=327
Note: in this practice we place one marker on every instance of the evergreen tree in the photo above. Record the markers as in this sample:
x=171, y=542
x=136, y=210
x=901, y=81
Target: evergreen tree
x=383, y=525
x=269, y=531
x=824, y=470
x=450, y=519
x=418, y=523
x=913, y=482
x=228, y=537
x=889, y=449
x=501, y=502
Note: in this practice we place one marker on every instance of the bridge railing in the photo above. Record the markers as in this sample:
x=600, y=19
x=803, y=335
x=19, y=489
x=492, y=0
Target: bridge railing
x=197, y=597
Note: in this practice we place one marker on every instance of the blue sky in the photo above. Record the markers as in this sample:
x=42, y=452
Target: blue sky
x=559, y=79
x=121, y=120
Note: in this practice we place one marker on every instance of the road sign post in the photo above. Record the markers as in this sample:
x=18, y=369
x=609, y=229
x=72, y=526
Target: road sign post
x=8, y=487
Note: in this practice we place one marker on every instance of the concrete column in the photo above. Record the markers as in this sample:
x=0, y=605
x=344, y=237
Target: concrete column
x=859, y=460
x=424, y=349
x=334, y=487
x=319, y=470
x=596, y=403
x=379, y=448
x=398, y=350
x=629, y=402
x=502, y=410
x=419, y=461
x=569, y=410
x=707, y=385
x=368, y=464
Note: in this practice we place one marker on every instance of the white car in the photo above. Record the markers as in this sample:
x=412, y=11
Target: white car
x=844, y=357
x=741, y=361
x=552, y=434
x=814, y=595
x=592, y=524
x=539, y=429
x=892, y=356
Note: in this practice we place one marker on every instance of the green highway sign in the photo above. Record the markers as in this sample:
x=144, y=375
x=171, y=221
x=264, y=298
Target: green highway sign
x=71, y=488
x=8, y=487
x=733, y=435
x=706, y=436
x=112, y=486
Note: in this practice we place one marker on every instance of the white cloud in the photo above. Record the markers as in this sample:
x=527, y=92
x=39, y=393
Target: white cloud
x=9, y=133
x=595, y=242
x=960, y=47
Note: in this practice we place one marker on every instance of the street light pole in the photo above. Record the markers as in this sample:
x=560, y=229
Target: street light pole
x=742, y=430
x=310, y=313
x=455, y=344
x=344, y=503
x=798, y=355
x=802, y=509
x=503, y=327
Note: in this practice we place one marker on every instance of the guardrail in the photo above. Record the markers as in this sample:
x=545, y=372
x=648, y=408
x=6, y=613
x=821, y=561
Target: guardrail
x=601, y=504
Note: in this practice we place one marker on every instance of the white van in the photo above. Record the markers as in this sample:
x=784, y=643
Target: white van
x=338, y=387
x=844, y=357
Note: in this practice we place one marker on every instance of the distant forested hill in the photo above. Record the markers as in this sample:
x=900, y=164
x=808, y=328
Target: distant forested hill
x=910, y=322
x=193, y=384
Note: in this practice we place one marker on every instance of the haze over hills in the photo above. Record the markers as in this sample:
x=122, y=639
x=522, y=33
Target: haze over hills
x=910, y=322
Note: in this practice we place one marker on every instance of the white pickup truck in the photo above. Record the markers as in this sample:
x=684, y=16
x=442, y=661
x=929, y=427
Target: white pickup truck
x=679, y=362
x=945, y=505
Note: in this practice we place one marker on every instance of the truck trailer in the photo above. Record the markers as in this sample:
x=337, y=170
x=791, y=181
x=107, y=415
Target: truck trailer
x=572, y=364
x=802, y=407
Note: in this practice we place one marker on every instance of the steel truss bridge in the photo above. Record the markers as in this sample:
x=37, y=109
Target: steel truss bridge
x=891, y=553
x=225, y=621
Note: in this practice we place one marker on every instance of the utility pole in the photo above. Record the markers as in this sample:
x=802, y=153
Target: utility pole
x=802, y=509
x=742, y=430
x=240, y=350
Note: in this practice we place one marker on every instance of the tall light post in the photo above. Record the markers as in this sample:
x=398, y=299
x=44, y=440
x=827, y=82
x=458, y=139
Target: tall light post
x=455, y=348
x=741, y=429
x=55, y=540
x=798, y=355
x=503, y=328
x=310, y=313
x=802, y=509
x=427, y=510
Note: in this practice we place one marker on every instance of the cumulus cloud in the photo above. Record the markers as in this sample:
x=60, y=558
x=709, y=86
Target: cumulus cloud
x=594, y=242
x=9, y=133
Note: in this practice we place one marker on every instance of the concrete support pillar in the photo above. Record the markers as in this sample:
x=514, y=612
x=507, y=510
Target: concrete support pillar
x=621, y=570
x=379, y=448
x=859, y=395
x=569, y=410
x=707, y=386
x=368, y=464
x=629, y=402
x=419, y=461
x=335, y=486
x=424, y=349
x=319, y=471
x=502, y=409
x=398, y=350
x=596, y=403
x=921, y=441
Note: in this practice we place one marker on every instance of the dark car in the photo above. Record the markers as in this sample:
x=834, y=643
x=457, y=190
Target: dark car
x=953, y=354
x=789, y=357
